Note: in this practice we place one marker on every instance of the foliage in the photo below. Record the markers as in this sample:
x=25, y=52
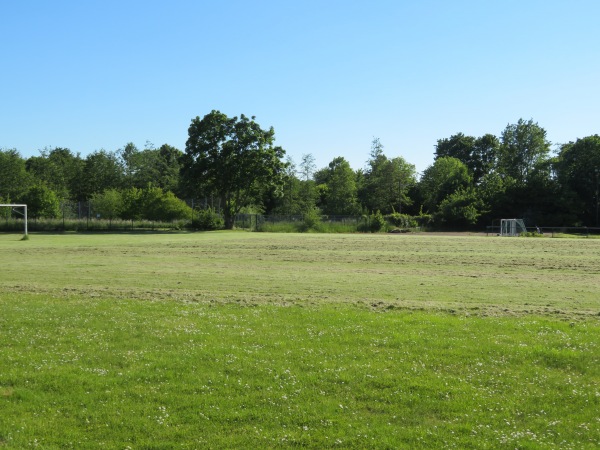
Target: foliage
x=478, y=154
x=386, y=182
x=289, y=200
x=377, y=222
x=456, y=146
x=232, y=164
x=523, y=147
x=159, y=167
x=401, y=220
x=91, y=225
x=5, y=213
x=307, y=192
x=311, y=220
x=313, y=224
x=485, y=156
x=233, y=158
x=338, y=188
x=459, y=209
x=424, y=220
x=133, y=207
x=14, y=178
x=163, y=206
x=207, y=219
x=108, y=204
x=41, y=202
x=444, y=177
x=578, y=167
x=60, y=170
x=103, y=170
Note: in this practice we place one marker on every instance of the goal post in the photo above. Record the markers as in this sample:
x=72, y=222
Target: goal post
x=512, y=227
x=24, y=213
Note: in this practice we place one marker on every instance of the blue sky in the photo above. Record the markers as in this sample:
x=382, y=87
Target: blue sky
x=327, y=75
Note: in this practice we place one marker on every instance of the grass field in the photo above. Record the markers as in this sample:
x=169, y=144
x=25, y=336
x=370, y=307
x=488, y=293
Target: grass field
x=257, y=340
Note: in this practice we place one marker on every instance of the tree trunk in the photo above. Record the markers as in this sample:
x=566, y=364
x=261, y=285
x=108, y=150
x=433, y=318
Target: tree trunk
x=228, y=213
x=229, y=220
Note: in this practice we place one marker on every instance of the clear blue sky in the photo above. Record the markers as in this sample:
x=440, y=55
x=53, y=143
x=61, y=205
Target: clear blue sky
x=328, y=75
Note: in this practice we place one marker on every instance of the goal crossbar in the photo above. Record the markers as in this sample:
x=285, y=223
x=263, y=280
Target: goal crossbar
x=18, y=205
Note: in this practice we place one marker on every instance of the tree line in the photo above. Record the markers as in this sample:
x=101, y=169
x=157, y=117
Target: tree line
x=231, y=164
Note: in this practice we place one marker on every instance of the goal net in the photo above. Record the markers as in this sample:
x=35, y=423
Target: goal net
x=512, y=227
x=20, y=209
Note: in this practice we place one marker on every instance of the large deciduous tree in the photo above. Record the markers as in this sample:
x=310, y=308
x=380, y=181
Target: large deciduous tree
x=478, y=154
x=232, y=158
x=484, y=156
x=523, y=147
x=157, y=166
x=386, y=182
x=578, y=168
x=59, y=169
x=338, y=189
x=102, y=171
x=456, y=146
x=443, y=178
x=14, y=179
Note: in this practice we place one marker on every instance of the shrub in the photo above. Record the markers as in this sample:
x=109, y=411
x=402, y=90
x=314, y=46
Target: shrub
x=402, y=220
x=377, y=222
x=311, y=221
x=208, y=219
x=42, y=202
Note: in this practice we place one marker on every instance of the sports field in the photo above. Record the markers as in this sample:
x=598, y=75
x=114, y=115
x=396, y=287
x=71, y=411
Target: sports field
x=256, y=340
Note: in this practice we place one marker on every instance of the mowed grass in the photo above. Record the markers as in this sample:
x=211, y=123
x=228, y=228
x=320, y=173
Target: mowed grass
x=252, y=340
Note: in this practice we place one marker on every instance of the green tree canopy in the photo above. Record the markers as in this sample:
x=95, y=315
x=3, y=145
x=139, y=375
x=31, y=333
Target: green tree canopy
x=460, y=209
x=478, y=154
x=102, y=170
x=108, y=204
x=232, y=158
x=159, y=167
x=160, y=205
x=14, y=179
x=59, y=169
x=337, y=184
x=456, y=146
x=444, y=177
x=386, y=182
x=578, y=167
x=484, y=156
x=42, y=202
x=523, y=147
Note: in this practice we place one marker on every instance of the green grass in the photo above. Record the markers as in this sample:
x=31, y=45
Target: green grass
x=257, y=340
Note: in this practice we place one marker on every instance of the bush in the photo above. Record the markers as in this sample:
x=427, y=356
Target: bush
x=377, y=222
x=208, y=219
x=42, y=202
x=402, y=220
x=311, y=221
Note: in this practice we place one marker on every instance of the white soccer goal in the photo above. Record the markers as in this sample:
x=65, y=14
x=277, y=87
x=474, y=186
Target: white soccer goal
x=512, y=227
x=24, y=213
